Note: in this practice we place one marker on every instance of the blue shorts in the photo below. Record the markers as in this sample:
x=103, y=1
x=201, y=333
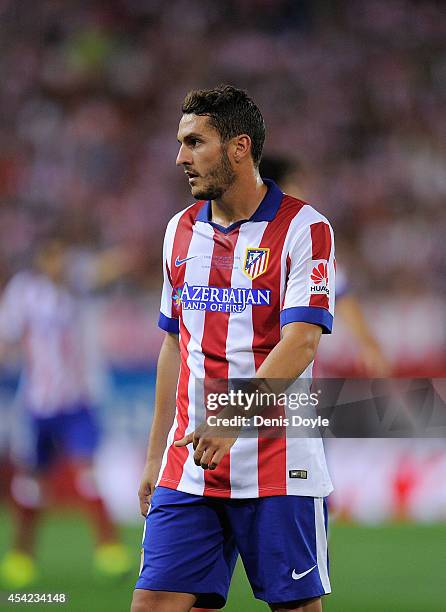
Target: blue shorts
x=191, y=543
x=73, y=435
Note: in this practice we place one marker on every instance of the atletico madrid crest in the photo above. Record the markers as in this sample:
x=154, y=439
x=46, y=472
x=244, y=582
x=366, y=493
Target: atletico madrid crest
x=256, y=262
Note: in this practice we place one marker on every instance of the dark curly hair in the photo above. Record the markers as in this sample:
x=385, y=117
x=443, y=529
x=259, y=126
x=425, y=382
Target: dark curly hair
x=231, y=112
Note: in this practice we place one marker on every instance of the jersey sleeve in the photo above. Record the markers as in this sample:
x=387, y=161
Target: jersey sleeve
x=310, y=288
x=168, y=319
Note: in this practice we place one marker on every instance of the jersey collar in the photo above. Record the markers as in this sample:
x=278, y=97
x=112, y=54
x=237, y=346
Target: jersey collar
x=266, y=211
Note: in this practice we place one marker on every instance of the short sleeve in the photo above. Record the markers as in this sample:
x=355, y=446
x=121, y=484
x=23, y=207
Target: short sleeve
x=168, y=319
x=310, y=287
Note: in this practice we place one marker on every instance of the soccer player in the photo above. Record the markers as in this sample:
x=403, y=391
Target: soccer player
x=248, y=291
x=39, y=309
x=372, y=361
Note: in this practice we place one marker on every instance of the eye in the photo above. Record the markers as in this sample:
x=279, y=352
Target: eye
x=193, y=142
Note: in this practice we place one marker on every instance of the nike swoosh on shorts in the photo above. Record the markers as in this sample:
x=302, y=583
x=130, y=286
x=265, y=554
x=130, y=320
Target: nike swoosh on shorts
x=299, y=576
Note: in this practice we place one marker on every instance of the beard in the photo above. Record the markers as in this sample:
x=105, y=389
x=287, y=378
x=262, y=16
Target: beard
x=217, y=180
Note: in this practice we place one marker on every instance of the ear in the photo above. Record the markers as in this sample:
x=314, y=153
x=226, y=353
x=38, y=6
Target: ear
x=242, y=148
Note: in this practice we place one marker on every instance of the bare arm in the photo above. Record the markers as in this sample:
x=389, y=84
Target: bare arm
x=164, y=412
x=113, y=263
x=372, y=357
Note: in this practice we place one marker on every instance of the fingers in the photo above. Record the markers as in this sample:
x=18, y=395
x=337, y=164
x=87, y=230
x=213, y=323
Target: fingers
x=204, y=460
x=186, y=440
x=209, y=458
x=145, y=494
x=216, y=458
x=207, y=452
x=200, y=450
x=144, y=505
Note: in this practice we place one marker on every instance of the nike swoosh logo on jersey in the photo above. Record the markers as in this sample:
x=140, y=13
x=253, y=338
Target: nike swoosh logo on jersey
x=179, y=262
x=299, y=576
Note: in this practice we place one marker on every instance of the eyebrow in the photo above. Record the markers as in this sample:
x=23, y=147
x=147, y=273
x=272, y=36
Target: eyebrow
x=191, y=136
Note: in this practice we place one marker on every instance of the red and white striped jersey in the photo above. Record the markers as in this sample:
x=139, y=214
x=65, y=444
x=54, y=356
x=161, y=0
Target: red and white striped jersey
x=46, y=318
x=227, y=292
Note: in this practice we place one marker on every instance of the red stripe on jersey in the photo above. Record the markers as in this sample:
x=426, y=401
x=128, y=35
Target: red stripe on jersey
x=218, y=483
x=266, y=324
x=321, y=248
x=176, y=457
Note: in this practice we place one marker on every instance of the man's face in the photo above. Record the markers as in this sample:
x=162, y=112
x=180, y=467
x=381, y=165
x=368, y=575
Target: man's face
x=204, y=158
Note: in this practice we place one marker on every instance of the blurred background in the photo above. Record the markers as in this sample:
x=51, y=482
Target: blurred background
x=353, y=95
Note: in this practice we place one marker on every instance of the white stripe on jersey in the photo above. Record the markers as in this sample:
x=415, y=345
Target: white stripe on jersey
x=321, y=544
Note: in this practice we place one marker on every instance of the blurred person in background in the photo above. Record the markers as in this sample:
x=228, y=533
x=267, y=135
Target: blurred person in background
x=40, y=309
x=373, y=362
x=6, y=467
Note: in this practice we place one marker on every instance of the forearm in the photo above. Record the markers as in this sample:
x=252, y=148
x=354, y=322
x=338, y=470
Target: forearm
x=166, y=384
x=350, y=311
x=289, y=358
x=284, y=364
x=112, y=264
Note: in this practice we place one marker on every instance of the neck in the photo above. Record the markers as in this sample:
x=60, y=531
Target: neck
x=240, y=201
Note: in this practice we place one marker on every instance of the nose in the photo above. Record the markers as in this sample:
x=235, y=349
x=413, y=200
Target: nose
x=184, y=156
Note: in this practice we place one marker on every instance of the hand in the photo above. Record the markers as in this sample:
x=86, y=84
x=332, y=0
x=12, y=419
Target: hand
x=209, y=447
x=147, y=486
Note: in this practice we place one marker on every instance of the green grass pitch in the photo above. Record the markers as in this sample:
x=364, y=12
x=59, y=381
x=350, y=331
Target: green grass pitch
x=390, y=568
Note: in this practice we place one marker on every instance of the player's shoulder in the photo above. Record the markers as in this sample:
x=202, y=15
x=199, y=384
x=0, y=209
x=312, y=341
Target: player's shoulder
x=181, y=222
x=303, y=213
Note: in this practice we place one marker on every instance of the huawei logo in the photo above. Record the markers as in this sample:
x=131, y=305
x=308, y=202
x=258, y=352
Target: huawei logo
x=320, y=273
